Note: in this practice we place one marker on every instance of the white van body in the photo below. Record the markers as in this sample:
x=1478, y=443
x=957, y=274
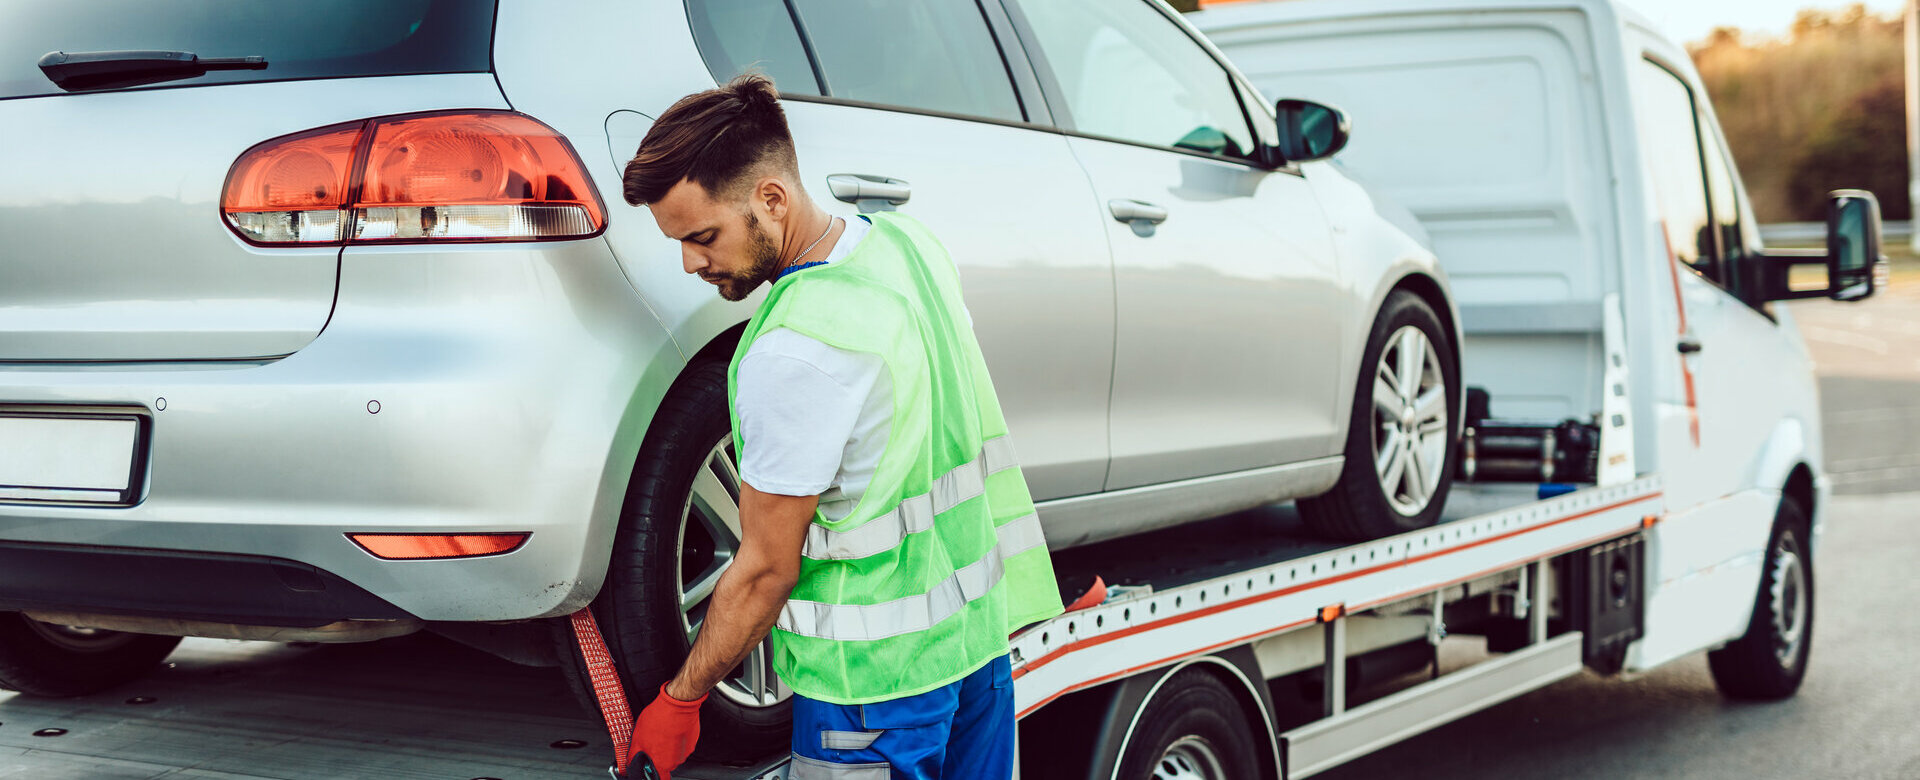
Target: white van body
x=1517, y=132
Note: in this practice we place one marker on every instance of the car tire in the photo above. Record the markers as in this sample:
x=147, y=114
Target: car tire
x=662, y=548
x=44, y=659
x=1375, y=497
x=1193, y=728
x=1769, y=661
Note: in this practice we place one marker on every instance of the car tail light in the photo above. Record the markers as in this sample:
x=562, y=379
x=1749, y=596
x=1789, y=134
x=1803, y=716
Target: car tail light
x=450, y=176
x=293, y=189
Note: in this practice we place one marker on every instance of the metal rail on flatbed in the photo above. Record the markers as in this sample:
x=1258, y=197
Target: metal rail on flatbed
x=1130, y=635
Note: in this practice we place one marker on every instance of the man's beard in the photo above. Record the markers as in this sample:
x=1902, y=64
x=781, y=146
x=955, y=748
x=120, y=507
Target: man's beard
x=765, y=264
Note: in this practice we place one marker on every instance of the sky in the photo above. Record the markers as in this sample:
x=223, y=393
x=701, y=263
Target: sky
x=1691, y=20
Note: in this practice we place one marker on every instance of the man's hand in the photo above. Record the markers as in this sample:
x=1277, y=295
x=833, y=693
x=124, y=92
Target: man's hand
x=773, y=529
x=666, y=731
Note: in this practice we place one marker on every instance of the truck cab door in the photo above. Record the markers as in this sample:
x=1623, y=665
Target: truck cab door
x=1728, y=382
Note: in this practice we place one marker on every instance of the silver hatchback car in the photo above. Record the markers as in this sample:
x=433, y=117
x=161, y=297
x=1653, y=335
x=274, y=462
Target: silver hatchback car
x=316, y=322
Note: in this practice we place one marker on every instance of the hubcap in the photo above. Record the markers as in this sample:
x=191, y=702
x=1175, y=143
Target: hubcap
x=1789, y=602
x=78, y=639
x=1409, y=421
x=1190, y=758
x=709, y=537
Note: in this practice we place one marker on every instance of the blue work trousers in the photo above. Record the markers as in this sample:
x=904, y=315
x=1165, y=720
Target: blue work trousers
x=962, y=731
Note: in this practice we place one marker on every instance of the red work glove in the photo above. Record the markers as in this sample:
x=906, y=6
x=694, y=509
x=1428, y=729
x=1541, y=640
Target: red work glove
x=666, y=731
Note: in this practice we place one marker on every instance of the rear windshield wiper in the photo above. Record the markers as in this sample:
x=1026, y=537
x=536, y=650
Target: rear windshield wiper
x=78, y=70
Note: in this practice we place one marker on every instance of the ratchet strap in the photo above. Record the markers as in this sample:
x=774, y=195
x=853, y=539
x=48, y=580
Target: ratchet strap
x=606, y=685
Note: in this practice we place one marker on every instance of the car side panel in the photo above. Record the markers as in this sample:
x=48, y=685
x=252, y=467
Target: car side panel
x=1379, y=247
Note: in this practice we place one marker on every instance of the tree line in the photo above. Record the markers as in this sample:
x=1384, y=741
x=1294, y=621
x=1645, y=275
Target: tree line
x=1822, y=107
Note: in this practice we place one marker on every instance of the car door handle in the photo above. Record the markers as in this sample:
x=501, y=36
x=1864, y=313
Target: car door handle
x=1689, y=345
x=857, y=187
x=1130, y=210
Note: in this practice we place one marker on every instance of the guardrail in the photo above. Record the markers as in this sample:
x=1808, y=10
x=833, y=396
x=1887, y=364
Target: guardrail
x=1816, y=232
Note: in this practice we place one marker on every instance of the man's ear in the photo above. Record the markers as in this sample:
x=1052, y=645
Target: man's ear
x=772, y=196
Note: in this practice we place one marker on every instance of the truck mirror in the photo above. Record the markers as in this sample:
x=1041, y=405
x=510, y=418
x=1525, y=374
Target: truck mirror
x=1310, y=131
x=1853, y=245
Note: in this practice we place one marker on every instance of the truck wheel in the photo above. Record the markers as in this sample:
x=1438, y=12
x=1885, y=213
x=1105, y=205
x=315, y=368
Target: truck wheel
x=1193, y=729
x=1770, y=660
x=679, y=528
x=48, y=660
x=1400, y=440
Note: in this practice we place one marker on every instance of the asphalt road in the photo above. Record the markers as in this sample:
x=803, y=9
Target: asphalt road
x=423, y=707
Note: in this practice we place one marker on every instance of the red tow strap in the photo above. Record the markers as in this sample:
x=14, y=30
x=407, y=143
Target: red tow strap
x=606, y=685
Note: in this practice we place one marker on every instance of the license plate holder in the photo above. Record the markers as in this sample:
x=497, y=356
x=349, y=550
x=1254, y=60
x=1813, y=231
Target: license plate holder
x=72, y=456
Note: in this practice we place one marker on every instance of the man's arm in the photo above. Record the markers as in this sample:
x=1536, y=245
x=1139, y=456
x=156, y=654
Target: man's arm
x=773, y=529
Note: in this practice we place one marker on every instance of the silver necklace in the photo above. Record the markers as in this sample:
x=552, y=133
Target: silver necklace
x=816, y=242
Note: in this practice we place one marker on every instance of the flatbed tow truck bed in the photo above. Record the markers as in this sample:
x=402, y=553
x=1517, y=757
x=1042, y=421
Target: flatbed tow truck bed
x=1238, y=586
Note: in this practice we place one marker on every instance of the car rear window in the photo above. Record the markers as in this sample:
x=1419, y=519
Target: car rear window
x=300, y=39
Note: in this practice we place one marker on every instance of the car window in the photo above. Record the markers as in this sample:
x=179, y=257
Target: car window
x=1265, y=130
x=931, y=55
x=1670, y=143
x=300, y=39
x=1722, y=199
x=1125, y=71
x=736, y=36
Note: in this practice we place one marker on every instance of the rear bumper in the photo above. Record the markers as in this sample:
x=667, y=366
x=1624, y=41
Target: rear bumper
x=245, y=589
x=466, y=390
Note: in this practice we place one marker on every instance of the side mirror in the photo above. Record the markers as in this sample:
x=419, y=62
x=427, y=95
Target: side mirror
x=1854, y=262
x=1310, y=131
x=1854, y=265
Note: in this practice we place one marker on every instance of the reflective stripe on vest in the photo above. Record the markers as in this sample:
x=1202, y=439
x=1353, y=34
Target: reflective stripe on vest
x=915, y=514
x=857, y=623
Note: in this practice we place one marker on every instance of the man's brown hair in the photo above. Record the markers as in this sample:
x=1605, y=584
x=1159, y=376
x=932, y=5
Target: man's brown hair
x=715, y=139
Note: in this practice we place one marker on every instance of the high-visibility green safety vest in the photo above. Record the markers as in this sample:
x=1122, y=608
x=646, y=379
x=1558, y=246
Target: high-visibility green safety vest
x=942, y=558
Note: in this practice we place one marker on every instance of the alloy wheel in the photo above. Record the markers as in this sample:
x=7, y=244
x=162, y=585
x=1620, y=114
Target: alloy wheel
x=1410, y=421
x=1190, y=758
x=709, y=538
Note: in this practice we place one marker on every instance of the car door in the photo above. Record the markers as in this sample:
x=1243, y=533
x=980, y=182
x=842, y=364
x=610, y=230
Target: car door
x=1229, y=313
x=1716, y=406
x=913, y=106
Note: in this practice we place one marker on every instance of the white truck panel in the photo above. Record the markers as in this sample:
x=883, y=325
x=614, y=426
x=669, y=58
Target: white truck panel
x=1488, y=135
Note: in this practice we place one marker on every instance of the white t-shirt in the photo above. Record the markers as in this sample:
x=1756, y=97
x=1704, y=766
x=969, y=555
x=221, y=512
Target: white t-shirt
x=815, y=418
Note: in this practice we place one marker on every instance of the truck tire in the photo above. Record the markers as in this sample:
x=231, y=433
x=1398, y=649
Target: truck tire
x=48, y=660
x=1770, y=660
x=1192, y=729
x=669, y=550
x=1401, y=441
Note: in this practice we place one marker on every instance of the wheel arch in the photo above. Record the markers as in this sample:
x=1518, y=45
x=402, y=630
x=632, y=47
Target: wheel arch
x=1799, y=487
x=1433, y=291
x=666, y=374
x=1435, y=295
x=1785, y=463
x=722, y=345
x=1236, y=668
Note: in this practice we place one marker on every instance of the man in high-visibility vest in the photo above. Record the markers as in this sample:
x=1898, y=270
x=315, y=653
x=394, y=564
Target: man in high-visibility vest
x=887, y=536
